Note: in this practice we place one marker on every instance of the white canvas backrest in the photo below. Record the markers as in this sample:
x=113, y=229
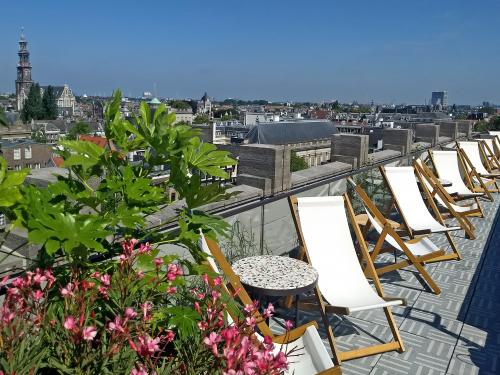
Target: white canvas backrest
x=404, y=186
x=471, y=149
x=324, y=225
x=489, y=143
x=447, y=167
x=496, y=133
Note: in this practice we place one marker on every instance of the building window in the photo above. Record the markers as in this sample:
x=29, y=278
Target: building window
x=27, y=152
x=37, y=165
x=17, y=154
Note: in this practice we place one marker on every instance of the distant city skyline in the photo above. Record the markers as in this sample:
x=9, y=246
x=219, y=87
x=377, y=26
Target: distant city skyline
x=293, y=51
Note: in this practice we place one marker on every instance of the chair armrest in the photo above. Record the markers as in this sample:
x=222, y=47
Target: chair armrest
x=403, y=300
x=294, y=334
x=336, y=370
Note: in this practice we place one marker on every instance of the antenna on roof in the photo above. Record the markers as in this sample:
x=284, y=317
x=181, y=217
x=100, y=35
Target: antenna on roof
x=22, y=32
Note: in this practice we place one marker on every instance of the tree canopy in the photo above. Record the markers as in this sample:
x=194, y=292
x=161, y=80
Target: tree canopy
x=179, y=104
x=49, y=104
x=37, y=107
x=201, y=119
x=79, y=128
x=297, y=163
x=3, y=120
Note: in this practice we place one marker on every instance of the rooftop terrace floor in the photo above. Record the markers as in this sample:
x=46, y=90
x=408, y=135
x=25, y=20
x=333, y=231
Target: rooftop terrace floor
x=456, y=332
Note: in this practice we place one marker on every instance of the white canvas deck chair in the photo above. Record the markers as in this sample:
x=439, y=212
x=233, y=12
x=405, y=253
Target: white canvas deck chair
x=310, y=356
x=477, y=173
x=475, y=153
x=417, y=220
x=491, y=151
x=449, y=166
x=325, y=242
x=433, y=189
x=417, y=251
x=497, y=135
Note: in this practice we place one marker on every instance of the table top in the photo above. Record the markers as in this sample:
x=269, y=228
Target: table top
x=274, y=275
x=445, y=183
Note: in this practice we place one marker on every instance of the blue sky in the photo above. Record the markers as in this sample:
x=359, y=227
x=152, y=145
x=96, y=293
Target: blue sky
x=386, y=51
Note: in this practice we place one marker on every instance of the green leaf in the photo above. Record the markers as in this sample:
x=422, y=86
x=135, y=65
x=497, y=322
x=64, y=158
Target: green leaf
x=184, y=318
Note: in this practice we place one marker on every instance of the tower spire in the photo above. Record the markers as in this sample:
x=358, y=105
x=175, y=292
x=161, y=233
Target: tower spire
x=23, y=81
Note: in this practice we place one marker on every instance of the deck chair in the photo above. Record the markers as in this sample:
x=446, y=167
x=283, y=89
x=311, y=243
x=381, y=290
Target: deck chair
x=474, y=152
x=417, y=220
x=448, y=165
x=491, y=151
x=310, y=356
x=435, y=190
x=325, y=241
x=495, y=133
x=417, y=251
x=476, y=171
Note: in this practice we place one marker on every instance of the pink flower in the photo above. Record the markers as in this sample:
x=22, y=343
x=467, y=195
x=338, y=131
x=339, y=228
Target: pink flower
x=4, y=280
x=103, y=291
x=217, y=281
x=106, y=280
x=130, y=313
x=171, y=290
x=288, y=325
x=269, y=311
x=173, y=270
x=211, y=341
x=38, y=295
x=89, y=333
x=250, y=321
x=18, y=282
x=203, y=325
x=249, y=308
x=169, y=336
x=146, y=309
x=147, y=345
x=50, y=277
x=128, y=246
x=39, y=278
x=158, y=262
x=140, y=371
x=144, y=248
x=116, y=325
x=67, y=291
x=7, y=315
x=70, y=323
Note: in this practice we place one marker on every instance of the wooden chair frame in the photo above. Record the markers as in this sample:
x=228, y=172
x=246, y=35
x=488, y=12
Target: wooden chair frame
x=388, y=230
x=325, y=308
x=484, y=159
x=234, y=287
x=423, y=172
x=461, y=166
x=471, y=173
x=492, y=161
x=455, y=255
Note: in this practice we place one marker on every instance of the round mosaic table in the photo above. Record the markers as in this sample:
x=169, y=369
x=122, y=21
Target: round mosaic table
x=275, y=276
x=445, y=183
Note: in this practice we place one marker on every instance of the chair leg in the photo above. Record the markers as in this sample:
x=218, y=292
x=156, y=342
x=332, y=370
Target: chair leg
x=328, y=328
x=394, y=329
x=453, y=245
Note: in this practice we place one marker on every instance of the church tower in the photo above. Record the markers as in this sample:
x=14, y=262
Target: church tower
x=23, y=81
